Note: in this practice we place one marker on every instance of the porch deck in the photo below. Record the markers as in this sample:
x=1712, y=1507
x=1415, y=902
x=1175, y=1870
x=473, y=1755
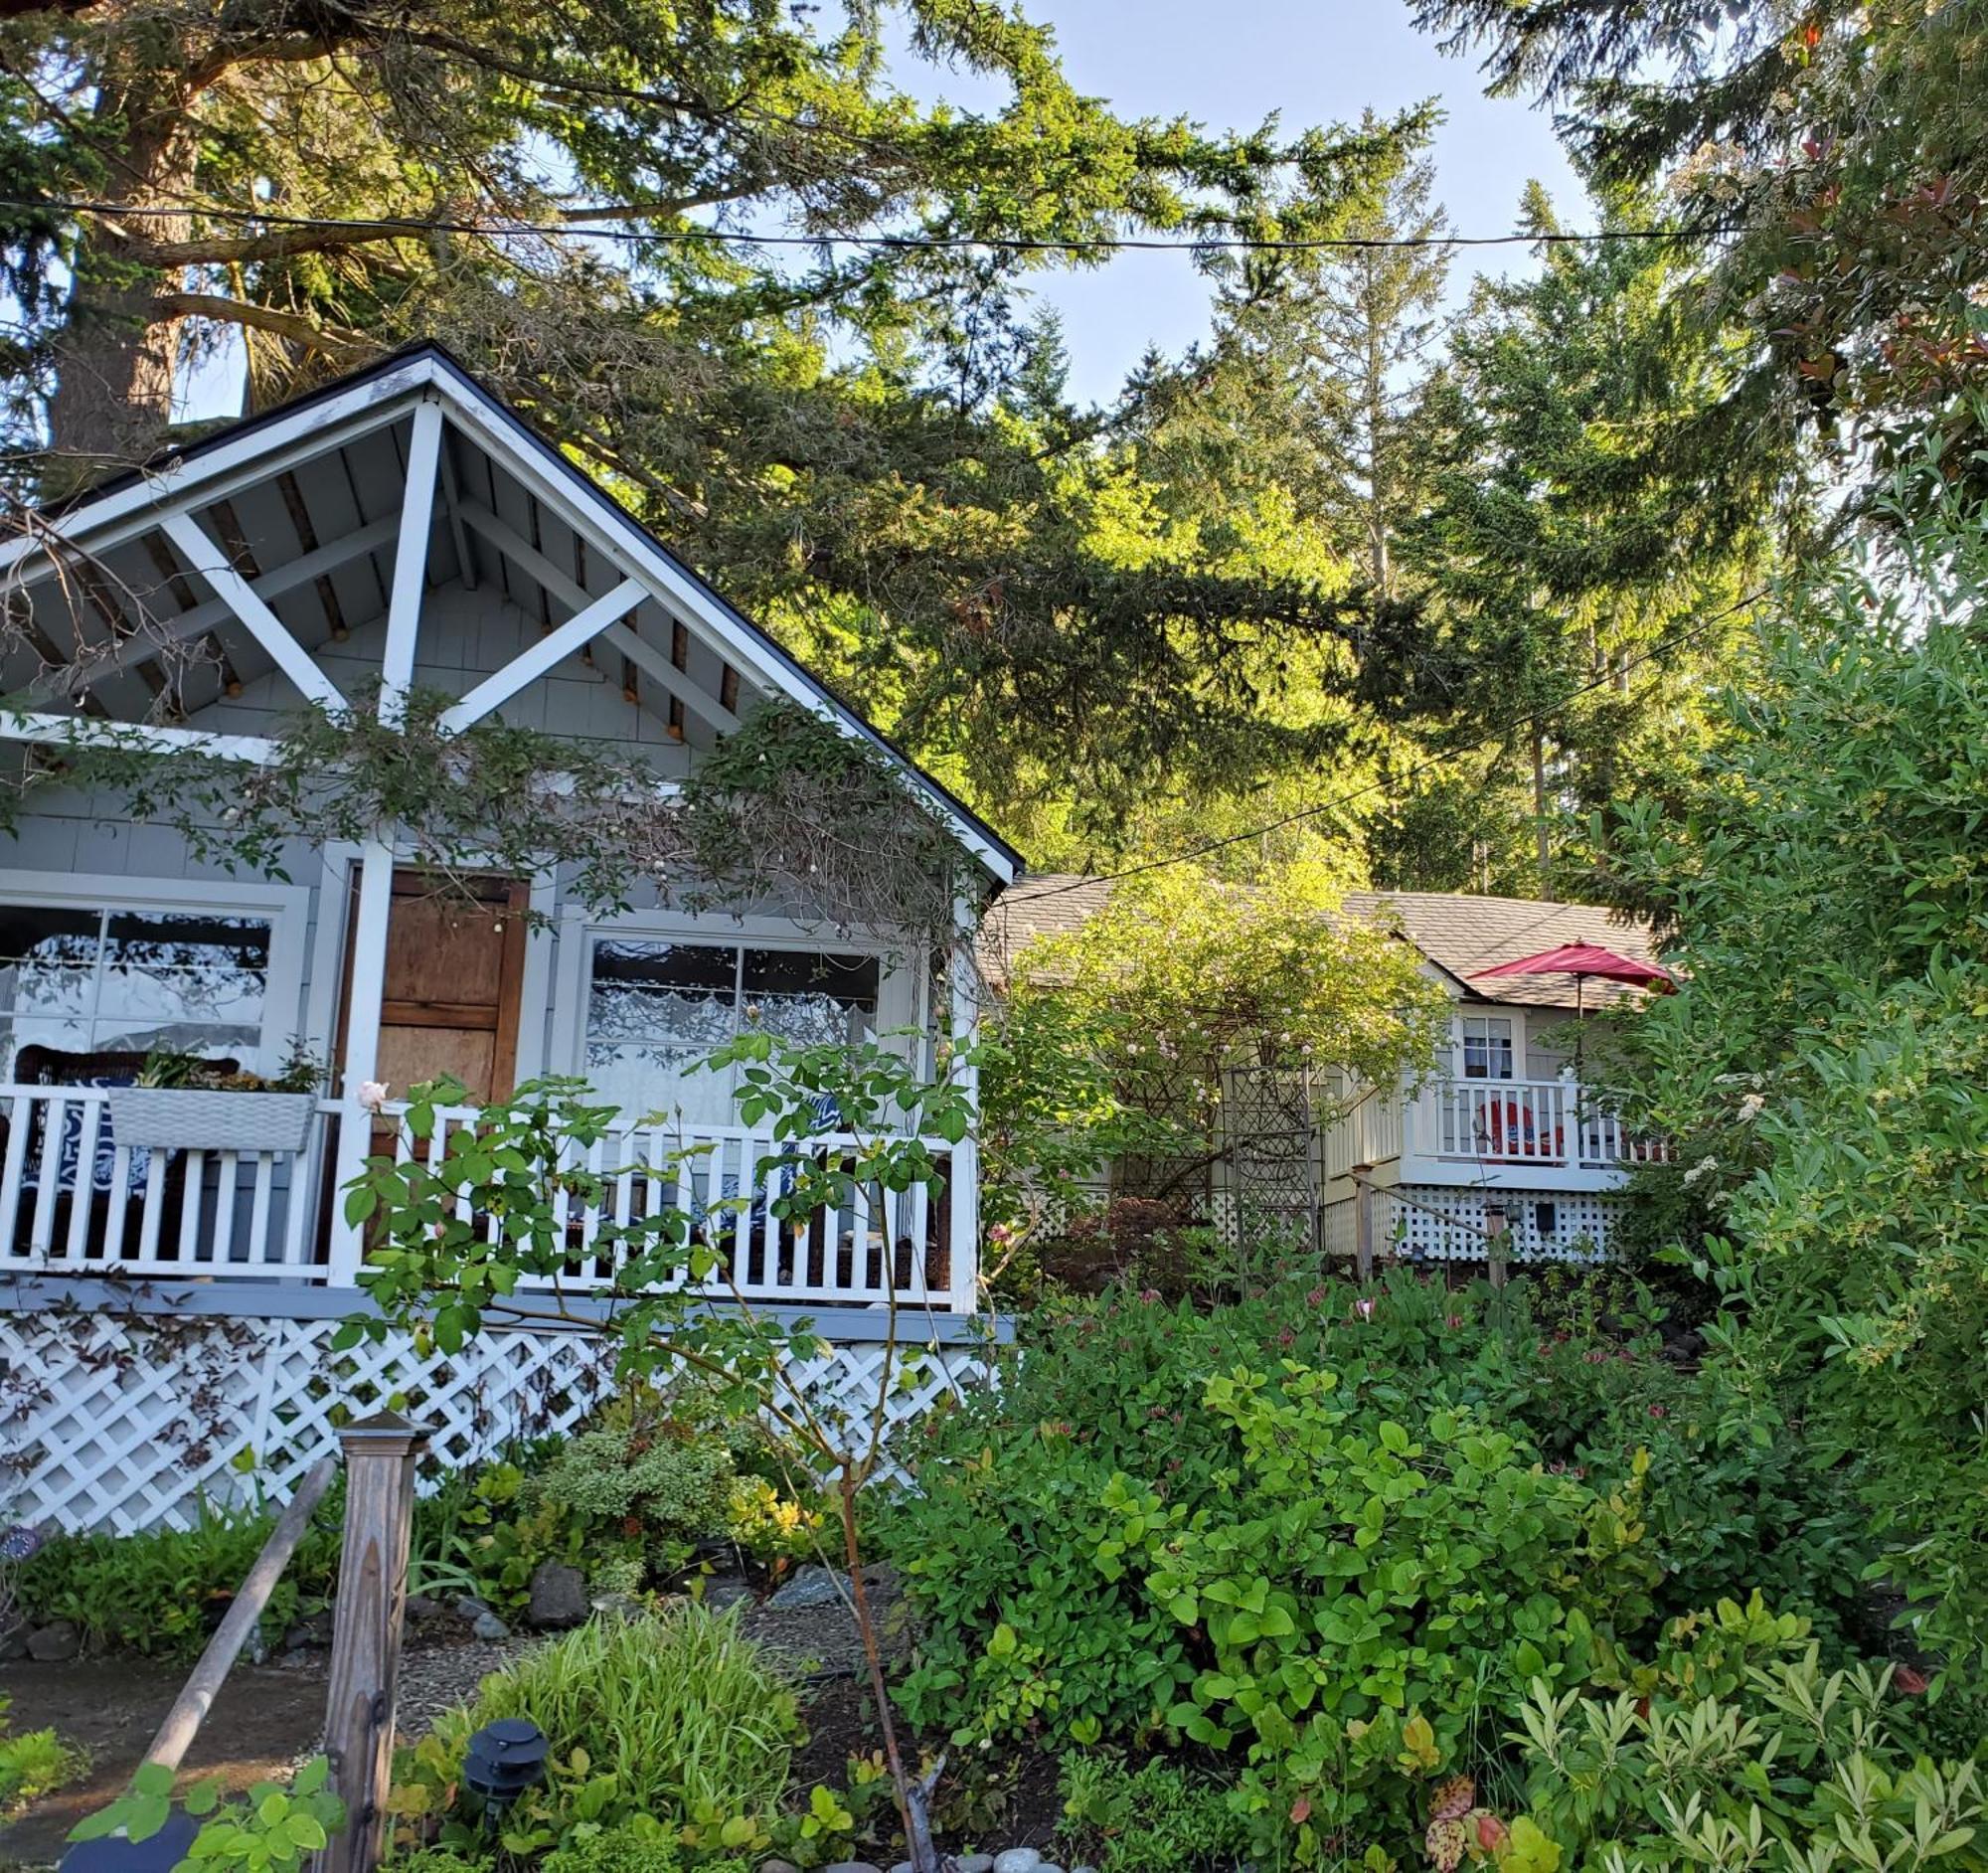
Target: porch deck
x=73, y=1201
x=1561, y=1133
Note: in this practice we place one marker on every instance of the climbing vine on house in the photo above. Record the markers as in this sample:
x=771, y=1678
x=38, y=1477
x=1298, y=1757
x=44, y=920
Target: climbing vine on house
x=789, y=815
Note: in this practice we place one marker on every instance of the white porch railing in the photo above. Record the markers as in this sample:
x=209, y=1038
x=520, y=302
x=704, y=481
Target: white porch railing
x=1547, y=1122
x=72, y=1200
x=836, y=1253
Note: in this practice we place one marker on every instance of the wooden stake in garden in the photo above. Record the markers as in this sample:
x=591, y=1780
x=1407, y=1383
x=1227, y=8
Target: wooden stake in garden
x=379, y=1453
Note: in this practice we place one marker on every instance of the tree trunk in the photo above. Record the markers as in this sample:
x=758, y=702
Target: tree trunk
x=118, y=354
x=1542, y=841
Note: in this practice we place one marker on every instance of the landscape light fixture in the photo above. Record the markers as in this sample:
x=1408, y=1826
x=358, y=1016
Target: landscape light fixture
x=503, y=1760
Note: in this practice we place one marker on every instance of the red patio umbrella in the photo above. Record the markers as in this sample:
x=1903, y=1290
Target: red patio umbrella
x=1581, y=961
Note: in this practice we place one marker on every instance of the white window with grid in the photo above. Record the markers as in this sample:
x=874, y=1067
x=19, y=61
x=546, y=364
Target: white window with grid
x=1485, y=1047
x=98, y=985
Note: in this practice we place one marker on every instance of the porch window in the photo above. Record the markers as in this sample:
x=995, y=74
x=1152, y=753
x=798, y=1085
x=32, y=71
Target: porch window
x=92, y=983
x=656, y=1007
x=1487, y=1047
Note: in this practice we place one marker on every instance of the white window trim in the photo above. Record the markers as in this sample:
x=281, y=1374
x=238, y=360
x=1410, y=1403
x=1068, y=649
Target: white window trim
x=899, y=1002
x=287, y=906
x=1479, y=1013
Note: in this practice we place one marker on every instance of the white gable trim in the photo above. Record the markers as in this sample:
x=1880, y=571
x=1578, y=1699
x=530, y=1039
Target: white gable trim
x=265, y=448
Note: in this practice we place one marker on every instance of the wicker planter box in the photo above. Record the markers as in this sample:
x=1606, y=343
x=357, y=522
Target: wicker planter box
x=196, y=1118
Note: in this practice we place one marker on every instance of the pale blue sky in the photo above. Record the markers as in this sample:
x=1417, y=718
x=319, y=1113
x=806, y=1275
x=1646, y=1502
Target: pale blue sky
x=1228, y=62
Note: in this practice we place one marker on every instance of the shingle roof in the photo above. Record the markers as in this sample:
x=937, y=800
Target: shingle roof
x=1042, y=904
x=1462, y=935
x=1458, y=933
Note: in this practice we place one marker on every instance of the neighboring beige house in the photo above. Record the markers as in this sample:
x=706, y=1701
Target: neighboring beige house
x=1504, y=1130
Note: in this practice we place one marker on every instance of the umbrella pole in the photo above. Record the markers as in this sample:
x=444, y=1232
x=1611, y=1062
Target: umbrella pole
x=1579, y=1071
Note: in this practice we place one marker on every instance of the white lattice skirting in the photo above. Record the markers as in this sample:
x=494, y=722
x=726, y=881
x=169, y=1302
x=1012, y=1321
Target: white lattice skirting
x=1546, y=1225
x=124, y=1422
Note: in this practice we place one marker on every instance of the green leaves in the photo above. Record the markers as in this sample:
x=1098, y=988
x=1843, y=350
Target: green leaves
x=273, y=1830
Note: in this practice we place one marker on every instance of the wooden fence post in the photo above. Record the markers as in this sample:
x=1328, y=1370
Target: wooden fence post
x=1362, y=1224
x=1497, y=1242
x=379, y=1453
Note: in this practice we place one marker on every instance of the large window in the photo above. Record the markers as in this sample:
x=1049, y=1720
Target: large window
x=657, y=1007
x=1487, y=1047
x=80, y=986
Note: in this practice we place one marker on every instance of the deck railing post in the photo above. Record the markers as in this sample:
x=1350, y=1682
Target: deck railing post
x=964, y=1173
x=366, y=985
x=1362, y=1223
x=380, y=1455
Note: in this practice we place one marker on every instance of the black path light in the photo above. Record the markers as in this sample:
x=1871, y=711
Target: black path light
x=503, y=1760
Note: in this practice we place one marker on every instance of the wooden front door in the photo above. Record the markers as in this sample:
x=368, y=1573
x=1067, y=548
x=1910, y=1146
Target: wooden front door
x=456, y=968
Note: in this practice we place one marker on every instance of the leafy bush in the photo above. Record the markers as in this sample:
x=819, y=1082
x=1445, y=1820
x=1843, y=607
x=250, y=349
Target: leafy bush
x=34, y=1763
x=1022, y=1628
x=654, y=1475
x=1824, y=1064
x=637, y=1846
x=1737, y=1750
x=676, y=1719
x=1155, y=1819
x=161, y=1592
x=273, y=1829
x=1366, y=1597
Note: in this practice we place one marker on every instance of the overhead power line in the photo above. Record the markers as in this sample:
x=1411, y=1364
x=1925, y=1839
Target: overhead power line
x=1527, y=719
x=575, y=222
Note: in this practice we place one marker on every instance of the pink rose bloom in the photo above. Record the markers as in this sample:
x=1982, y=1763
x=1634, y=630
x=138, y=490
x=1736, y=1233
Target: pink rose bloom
x=373, y=1095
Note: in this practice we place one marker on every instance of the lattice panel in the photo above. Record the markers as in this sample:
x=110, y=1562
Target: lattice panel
x=1580, y=1234
x=111, y=1423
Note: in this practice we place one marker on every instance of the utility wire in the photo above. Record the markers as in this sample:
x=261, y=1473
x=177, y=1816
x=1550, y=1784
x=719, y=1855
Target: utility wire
x=574, y=224
x=1528, y=719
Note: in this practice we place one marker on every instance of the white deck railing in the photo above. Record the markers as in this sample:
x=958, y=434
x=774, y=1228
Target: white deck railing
x=1547, y=1122
x=72, y=1200
x=725, y=1178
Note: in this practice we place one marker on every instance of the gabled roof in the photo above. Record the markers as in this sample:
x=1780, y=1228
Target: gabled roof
x=137, y=562
x=1461, y=935
x=1045, y=904
x=1458, y=933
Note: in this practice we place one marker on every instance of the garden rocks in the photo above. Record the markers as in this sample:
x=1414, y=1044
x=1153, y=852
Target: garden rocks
x=424, y=1606
x=483, y=1623
x=558, y=1598
x=812, y=1585
x=817, y=1586
x=1019, y=1860
x=54, y=1643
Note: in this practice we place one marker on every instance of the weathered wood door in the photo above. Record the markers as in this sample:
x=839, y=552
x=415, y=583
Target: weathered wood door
x=456, y=968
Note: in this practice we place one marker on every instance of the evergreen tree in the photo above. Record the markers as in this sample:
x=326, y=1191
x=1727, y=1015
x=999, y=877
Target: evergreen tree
x=1833, y=159
x=1578, y=578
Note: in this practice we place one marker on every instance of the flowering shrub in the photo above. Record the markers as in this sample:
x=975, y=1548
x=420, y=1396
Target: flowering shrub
x=1112, y=1042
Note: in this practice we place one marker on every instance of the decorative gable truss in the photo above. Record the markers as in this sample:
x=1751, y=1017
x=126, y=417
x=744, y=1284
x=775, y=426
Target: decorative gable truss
x=249, y=563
